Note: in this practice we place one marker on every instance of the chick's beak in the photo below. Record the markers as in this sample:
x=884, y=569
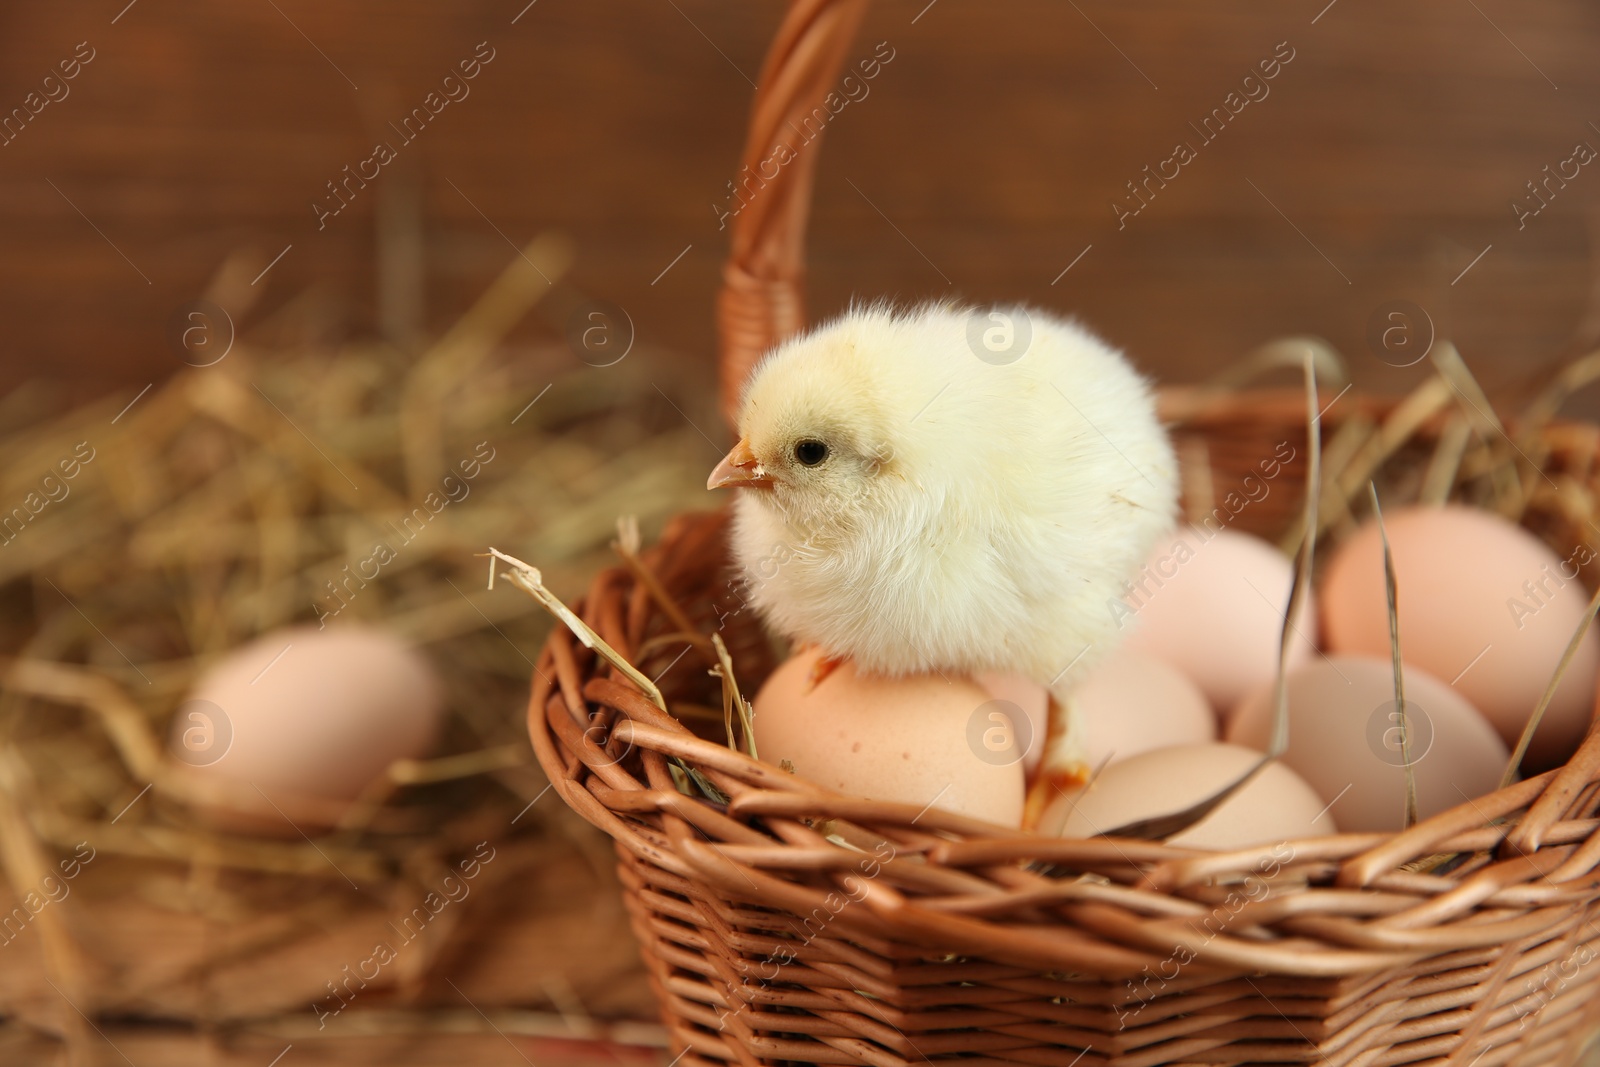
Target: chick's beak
x=739, y=469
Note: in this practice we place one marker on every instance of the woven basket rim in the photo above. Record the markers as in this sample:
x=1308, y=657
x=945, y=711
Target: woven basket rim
x=1543, y=865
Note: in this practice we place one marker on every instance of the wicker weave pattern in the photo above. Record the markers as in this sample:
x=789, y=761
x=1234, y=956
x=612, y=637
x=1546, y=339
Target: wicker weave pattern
x=927, y=938
x=796, y=924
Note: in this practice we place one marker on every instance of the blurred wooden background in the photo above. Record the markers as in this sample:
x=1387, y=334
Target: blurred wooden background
x=982, y=161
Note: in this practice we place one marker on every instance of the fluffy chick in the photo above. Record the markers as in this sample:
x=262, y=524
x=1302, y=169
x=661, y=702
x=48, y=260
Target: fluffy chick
x=916, y=508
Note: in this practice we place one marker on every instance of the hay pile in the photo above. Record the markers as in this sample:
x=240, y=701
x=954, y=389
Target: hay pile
x=140, y=541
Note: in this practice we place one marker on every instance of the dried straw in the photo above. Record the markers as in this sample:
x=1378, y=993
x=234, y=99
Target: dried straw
x=227, y=502
x=1392, y=599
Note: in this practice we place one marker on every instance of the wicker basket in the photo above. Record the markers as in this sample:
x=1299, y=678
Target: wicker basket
x=931, y=936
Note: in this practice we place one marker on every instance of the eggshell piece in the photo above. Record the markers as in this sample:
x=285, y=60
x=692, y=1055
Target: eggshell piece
x=1344, y=738
x=1274, y=806
x=1134, y=702
x=283, y=732
x=1481, y=601
x=1211, y=603
x=916, y=740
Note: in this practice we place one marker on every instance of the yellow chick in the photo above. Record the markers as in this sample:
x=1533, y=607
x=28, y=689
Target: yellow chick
x=947, y=489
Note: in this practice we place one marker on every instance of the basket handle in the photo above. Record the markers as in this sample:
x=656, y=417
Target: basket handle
x=763, y=282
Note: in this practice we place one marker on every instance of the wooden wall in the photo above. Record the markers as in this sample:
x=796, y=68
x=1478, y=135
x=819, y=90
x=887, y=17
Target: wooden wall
x=985, y=157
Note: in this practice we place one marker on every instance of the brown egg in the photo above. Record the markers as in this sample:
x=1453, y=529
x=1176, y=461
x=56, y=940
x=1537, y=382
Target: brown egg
x=1483, y=604
x=1211, y=603
x=918, y=740
x=1344, y=739
x=1133, y=702
x=283, y=733
x=1275, y=806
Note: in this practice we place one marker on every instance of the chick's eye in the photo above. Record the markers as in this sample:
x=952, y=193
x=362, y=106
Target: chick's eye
x=810, y=452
